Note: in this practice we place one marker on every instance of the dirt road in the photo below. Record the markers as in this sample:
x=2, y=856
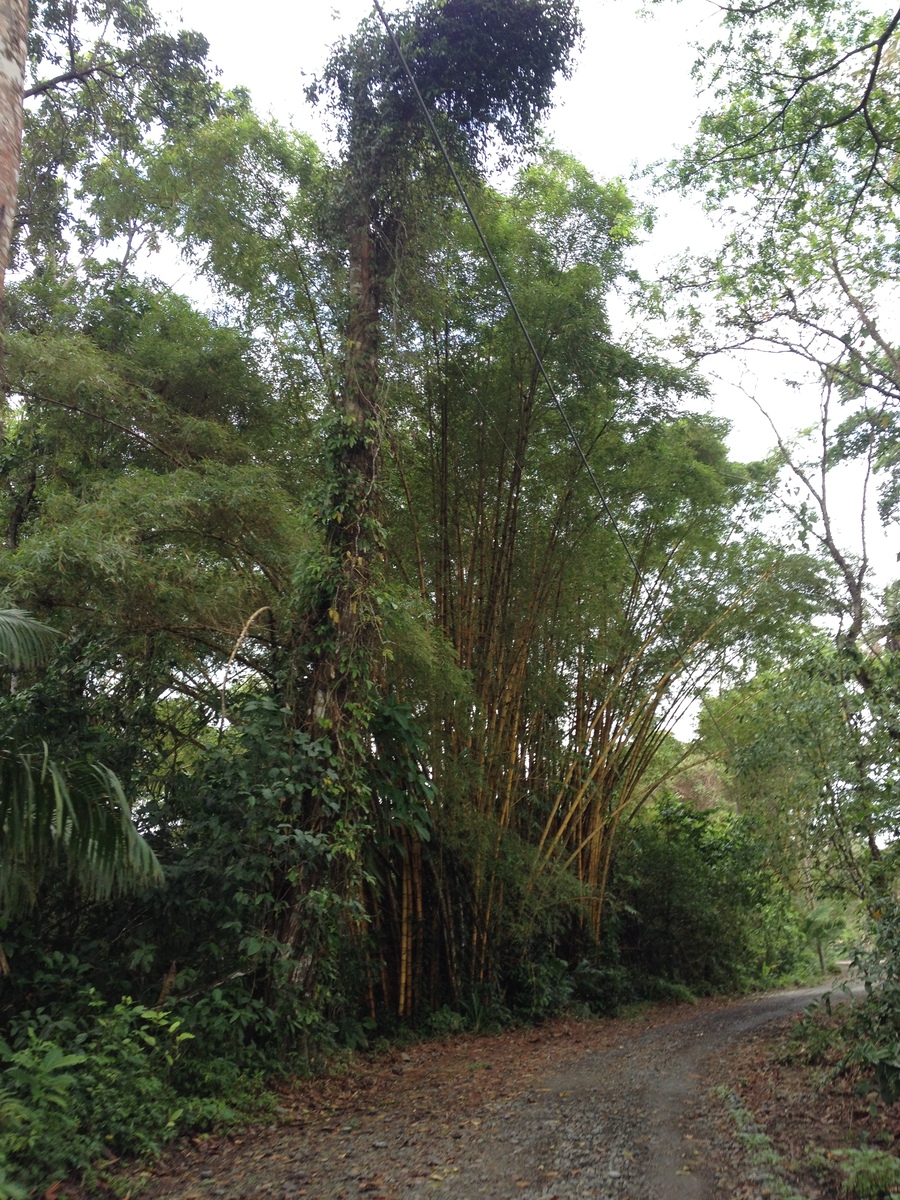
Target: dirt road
x=611, y=1110
x=633, y=1117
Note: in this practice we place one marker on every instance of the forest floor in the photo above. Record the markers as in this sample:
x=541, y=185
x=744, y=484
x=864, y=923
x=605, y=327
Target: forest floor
x=688, y=1102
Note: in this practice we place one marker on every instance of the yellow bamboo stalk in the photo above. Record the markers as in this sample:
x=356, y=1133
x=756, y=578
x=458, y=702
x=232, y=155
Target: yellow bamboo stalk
x=404, y=946
x=655, y=698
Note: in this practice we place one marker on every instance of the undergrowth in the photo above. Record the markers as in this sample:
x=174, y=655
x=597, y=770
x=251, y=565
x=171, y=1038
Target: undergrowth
x=853, y=1046
x=762, y=1154
x=868, y=1173
x=117, y=1082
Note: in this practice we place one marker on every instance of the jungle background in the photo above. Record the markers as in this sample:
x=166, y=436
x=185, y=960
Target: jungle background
x=353, y=621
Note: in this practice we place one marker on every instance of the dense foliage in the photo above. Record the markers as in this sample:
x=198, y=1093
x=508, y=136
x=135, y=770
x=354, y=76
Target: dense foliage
x=374, y=665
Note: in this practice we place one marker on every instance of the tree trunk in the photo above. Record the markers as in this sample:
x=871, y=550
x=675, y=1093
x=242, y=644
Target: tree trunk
x=13, y=47
x=345, y=629
x=353, y=538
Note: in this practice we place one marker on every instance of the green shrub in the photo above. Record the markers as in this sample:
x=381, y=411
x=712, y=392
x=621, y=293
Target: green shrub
x=814, y=1038
x=71, y=1089
x=602, y=987
x=666, y=989
x=445, y=1022
x=41, y=1135
x=870, y=1174
x=696, y=905
x=873, y=1028
x=541, y=988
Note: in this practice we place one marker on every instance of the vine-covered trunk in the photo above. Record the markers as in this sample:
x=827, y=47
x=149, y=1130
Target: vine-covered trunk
x=341, y=654
x=343, y=671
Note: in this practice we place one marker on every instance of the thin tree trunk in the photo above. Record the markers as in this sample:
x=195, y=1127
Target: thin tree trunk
x=13, y=47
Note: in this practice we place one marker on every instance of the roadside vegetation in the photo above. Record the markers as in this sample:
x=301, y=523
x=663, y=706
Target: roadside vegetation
x=346, y=633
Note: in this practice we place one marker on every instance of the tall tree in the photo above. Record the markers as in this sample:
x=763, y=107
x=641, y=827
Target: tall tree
x=70, y=813
x=485, y=67
x=482, y=67
x=795, y=156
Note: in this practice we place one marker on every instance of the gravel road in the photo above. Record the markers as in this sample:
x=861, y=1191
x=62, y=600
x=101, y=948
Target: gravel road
x=632, y=1121
x=606, y=1110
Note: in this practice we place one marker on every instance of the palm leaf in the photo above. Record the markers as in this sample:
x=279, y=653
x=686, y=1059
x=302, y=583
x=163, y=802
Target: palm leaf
x=76, y=819
x=24, y=641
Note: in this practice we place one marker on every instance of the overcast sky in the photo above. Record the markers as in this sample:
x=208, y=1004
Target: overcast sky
x=631, y=102
x=630, y=99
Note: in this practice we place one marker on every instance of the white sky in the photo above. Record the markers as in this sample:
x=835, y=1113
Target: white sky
x=630, y=102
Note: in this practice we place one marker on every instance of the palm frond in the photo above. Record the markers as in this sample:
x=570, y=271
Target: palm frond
x=24, y=641
x=75, y=819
